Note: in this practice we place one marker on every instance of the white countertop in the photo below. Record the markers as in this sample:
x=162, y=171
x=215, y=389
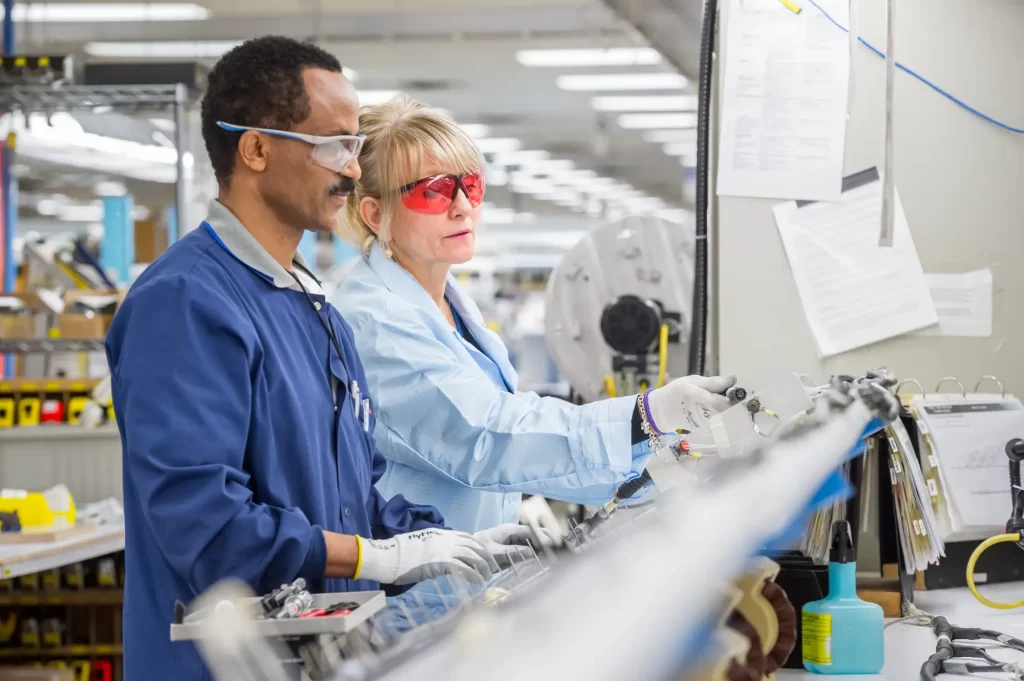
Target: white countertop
x=908, y=646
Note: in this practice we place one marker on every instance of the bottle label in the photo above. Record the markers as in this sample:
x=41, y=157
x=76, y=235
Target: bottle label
x=817, y=638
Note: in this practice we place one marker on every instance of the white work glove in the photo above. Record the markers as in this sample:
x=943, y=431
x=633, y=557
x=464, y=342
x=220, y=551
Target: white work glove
x=425, y=554
x=510, y=543
x=688, y=403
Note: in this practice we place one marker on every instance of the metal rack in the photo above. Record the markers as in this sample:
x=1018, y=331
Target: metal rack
x=133, y=98
x=50, y=345
x=25, y=559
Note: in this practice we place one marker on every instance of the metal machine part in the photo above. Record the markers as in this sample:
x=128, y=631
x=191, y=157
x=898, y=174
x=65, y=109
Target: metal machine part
x=608, y=300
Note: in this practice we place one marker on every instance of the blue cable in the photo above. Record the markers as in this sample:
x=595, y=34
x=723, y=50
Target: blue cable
x=905, y=69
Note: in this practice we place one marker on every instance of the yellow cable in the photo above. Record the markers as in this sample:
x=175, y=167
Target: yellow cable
x=609, y=386
x=991, y=541
x=662, y=354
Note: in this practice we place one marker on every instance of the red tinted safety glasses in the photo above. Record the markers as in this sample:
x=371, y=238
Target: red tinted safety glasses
x=436, y=194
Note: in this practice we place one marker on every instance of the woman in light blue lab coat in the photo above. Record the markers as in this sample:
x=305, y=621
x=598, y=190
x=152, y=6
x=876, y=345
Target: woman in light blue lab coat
x=454, y=428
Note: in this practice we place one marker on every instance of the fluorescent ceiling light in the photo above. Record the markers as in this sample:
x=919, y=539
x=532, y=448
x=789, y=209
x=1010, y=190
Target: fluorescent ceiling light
x=622, y=81
x=161, y=49
x=642, y=121
x=475, y=130
x=548, y=167
x=614, y=56
x=101, y=12
x=645, y=103
x=375, y=97
x=172, y=49
x=522, y=158
x=680, y=149
x=670, y=136
x=498, y=145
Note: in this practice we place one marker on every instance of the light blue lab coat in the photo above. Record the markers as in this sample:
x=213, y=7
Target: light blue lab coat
x=454, y=430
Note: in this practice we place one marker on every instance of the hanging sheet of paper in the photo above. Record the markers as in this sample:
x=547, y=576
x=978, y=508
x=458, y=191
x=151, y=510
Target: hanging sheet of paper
x=784, y=102
x=854, y=292
x=963, y=303
x=969, y=435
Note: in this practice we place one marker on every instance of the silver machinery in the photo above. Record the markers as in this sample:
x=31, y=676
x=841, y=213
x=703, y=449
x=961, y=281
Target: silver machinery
x=640, y=595
x=618, y=307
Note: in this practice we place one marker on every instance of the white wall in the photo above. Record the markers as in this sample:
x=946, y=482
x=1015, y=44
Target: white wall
x=961, y=181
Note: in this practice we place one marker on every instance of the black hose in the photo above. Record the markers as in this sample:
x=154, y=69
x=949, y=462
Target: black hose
x=698, y=327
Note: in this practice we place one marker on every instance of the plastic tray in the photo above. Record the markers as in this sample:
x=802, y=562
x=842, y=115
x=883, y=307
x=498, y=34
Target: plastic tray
x=371, y=602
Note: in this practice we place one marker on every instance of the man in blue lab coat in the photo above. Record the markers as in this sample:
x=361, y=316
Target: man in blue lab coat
x=247, y=433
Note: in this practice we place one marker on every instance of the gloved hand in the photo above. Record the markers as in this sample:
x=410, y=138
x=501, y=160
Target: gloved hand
x=425, y=554
x=510, y=543
x=688, y=403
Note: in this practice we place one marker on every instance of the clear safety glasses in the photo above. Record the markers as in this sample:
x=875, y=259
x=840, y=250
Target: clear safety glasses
x=332, y=153
x=437, y=193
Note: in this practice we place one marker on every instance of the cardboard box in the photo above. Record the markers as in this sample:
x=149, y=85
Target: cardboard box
x=75, y=324
x=26, y=323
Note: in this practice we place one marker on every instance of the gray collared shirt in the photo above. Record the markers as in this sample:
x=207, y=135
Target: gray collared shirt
x=240, y=242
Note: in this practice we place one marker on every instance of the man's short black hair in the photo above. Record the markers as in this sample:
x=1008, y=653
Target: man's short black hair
x=257, y=84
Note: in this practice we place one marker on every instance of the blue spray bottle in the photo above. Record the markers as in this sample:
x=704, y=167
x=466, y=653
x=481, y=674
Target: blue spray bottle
x=841, y=634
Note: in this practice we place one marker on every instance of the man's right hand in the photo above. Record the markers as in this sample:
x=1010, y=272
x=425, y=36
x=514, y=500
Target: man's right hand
x=425, y=554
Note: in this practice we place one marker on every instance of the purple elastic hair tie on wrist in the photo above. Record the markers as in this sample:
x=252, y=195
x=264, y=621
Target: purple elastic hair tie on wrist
x=647, y=410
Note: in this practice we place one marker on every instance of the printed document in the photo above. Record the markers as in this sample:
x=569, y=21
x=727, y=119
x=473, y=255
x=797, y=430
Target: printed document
x=853, y=291
x=969, y=436
x=963, y=303
x=784, y=102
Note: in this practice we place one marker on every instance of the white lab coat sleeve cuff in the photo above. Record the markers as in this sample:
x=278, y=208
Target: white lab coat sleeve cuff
x=602, y=435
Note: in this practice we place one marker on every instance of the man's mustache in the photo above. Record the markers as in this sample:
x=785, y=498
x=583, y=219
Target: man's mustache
x=346, y=186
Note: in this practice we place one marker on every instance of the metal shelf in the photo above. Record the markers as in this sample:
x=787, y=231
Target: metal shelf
x=57, y=431
x=24, y=559
x=49, y=345
x=94, y=596
x=48, y=99
x=65, y=651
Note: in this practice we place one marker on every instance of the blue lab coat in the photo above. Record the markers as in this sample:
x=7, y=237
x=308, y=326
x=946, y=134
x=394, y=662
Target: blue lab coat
x=457, y=432
x=235, y=459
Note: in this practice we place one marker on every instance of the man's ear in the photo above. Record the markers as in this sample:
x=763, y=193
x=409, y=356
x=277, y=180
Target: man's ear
x=254, y=150
x=369, y=210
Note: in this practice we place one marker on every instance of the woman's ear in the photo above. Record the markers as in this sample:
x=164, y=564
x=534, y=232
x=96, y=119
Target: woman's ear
x=369, y=210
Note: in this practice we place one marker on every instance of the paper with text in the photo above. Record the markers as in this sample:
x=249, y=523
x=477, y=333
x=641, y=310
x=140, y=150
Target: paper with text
x=853, y=291
x=963, y=303
x=784, y=102
x=969, y=436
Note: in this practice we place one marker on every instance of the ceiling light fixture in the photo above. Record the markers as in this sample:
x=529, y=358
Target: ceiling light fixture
x=521, y=158
x=375, y=97
x=498, y=145
x=96, y=12
x=643, y=121
x=621, y=82
x=613, y=56
x=670, y=136
x=645, y=103
x=680, y=148
x=475, y=130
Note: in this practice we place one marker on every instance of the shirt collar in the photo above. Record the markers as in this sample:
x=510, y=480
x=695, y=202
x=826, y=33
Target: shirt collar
x=232, y=235
x=399, y=280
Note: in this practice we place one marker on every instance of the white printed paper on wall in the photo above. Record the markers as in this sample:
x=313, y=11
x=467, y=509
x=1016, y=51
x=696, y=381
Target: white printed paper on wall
x=784, y=103
x=963, y=302
x=853, y=291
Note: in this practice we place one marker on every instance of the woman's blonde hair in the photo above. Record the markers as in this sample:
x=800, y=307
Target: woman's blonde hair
x=401, y=137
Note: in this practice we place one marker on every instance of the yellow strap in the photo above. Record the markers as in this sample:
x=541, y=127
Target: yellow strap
x=359, y=557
